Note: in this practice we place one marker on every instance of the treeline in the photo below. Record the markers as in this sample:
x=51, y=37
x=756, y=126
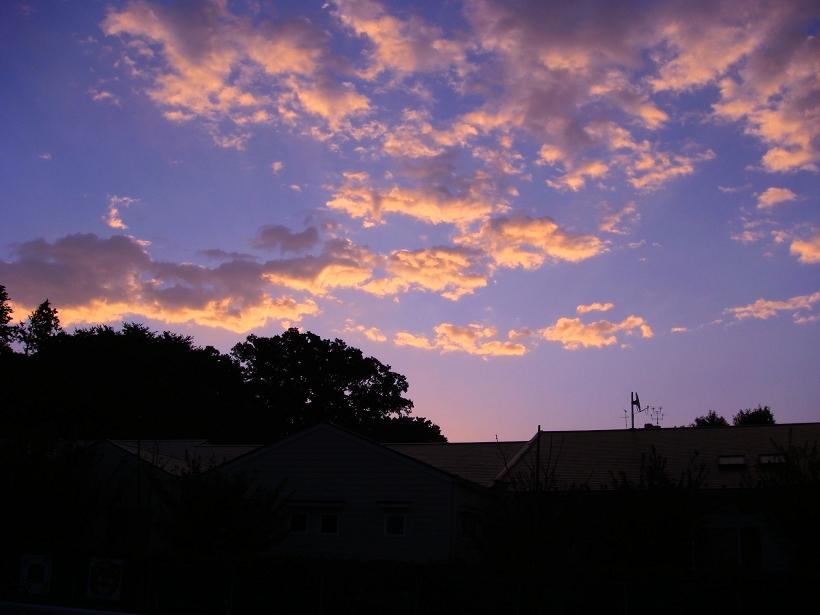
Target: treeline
x=762, y=415
x=132, y=382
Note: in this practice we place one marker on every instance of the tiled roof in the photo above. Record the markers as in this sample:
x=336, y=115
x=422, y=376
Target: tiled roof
x=478, y=462
x=729, y=455
x=177, y=456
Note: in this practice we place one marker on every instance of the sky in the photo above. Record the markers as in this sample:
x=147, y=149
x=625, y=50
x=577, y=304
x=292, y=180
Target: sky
x=529, y=208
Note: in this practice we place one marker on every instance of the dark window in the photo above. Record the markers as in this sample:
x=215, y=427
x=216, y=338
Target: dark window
x=394, y=524
x=299, y=523
x=330, y=523
x=731, y=461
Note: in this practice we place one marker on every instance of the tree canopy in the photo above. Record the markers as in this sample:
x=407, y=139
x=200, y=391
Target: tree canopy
x=132, y=382
x=710, y=419
x=42, y=324
x=301, y=379
x=6, y=330
x=762, y=415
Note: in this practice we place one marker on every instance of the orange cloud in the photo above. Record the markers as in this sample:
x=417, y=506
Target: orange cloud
x=617, y=222
x=223, y=313
x=93, y=279
x=576, y=178
x=402, y=45
x=573, y=334
x=340, y=265
x=374, y=334
x=763, y=309
x=451, y=272
x=358, y=199
x=527, y=242
x=113, y=218
x=594, y=307
x=774, y=196
x=211, y=61
x=472, y=339
x=807, y=250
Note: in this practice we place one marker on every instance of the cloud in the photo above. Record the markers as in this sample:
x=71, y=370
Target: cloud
x=774, y=196
x=331, y=100
x=773, y=93
x=115, y=206
x=278, y=237
x=45, y=156
x=573, y=334
x=763, y=309
x=594, y=307
x=104, y=96
x=374, y=334
x=235, y=141
x=576, y=178
x=807, y=250
x=461, y=203
x=341, y=264
x=527, y=242
x=474, y=339
x=276, y=166
x=679, y=330
x=617, y=222
x=733, y=189
x=92, y=279
x=203, y=61
x=403, y=46
x=448, y=271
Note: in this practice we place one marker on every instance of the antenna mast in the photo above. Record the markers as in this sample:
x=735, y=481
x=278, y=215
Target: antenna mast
x=635, y=403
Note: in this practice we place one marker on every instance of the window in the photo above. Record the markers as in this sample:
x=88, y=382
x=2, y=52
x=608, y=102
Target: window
x=771, y=459
x=299, y=523
x=330, y=523
x=731, y=461
x=394, y=524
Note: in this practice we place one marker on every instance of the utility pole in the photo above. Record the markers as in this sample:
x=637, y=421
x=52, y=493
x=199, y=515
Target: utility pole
x=538, y=460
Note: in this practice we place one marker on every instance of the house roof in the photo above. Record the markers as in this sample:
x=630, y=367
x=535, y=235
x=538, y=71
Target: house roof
x=477, y=462
x=387, y=449
x=596, y=458
x=177, y=456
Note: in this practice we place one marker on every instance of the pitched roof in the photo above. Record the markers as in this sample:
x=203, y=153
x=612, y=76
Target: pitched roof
x=177, y=456
x=595, y=458
x=477, y=462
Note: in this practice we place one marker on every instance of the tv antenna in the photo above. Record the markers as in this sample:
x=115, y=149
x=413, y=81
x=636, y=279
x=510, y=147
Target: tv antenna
x=635, y=404
x=656, y=414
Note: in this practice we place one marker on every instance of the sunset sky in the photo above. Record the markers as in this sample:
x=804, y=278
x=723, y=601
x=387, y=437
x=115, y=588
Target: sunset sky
x=530, y=209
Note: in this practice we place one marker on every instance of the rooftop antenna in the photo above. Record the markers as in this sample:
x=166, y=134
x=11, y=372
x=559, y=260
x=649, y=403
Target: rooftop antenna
x=657, y=414
x=626, y=418
x=635, y=404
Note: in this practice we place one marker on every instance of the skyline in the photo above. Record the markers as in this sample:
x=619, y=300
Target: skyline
x=528, y=211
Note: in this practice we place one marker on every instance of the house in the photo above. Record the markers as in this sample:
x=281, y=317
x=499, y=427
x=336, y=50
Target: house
x=351, y=497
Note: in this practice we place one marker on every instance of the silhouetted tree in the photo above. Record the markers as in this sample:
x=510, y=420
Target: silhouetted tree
x=710, y=419
x=42, y=324
x=299, y=379
x=137, y=383
x=762, y=415
x=6, y=330
x=128, y=383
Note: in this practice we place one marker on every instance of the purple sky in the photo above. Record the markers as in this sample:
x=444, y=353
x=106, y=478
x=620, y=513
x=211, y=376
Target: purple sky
x=528, y=208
